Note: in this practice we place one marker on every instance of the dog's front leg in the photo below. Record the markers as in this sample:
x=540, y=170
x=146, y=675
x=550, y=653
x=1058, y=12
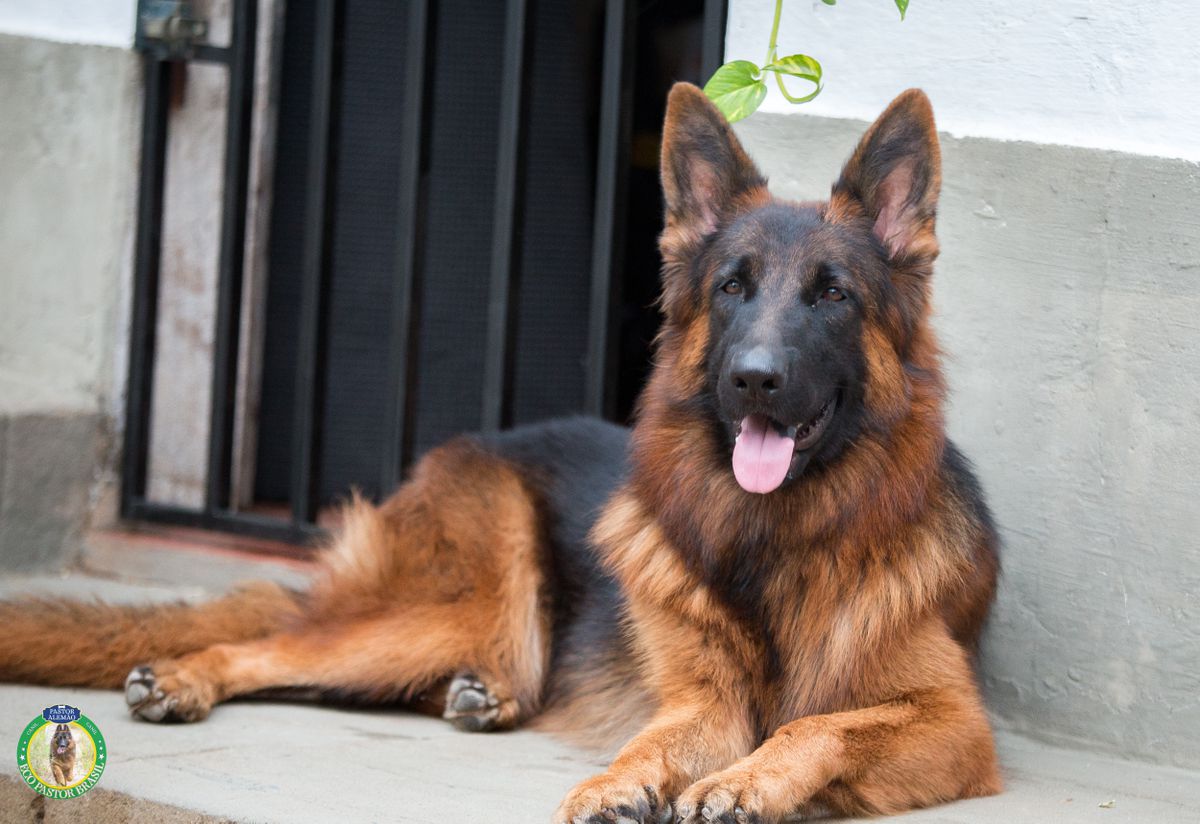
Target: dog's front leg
x=683, y=742
x=929, y=744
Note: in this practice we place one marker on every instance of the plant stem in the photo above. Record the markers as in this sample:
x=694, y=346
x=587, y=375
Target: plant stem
x=772, y=53
x=771, y=47
x=783, y=90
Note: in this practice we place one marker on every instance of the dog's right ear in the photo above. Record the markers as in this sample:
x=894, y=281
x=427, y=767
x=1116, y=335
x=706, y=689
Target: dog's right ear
x=704, y=168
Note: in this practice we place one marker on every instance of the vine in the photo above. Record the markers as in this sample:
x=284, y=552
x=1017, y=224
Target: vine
x=738, y=87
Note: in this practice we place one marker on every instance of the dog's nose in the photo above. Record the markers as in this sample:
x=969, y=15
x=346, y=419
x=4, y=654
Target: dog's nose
x=757, y=373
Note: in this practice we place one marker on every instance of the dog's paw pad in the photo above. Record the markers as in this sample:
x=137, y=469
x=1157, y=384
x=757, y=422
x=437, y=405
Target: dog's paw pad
x=144, y=697
x=470, y=705
x=139, y=685
x=151, y=699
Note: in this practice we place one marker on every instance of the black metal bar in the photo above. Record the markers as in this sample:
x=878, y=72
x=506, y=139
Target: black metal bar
x=310, y=367
x=204, y=53
x=239, y=111
x=608, y=235
x=410, y=213
x=240, y=523
x=507, y=219
x=712, y=53
x=145, y=283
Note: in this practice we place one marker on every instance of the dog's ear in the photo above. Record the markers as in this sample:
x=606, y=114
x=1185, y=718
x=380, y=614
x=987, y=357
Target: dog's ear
x=704, y=168
x=894, y=176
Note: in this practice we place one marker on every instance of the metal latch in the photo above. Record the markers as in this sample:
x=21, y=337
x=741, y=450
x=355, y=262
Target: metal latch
x=169, y=29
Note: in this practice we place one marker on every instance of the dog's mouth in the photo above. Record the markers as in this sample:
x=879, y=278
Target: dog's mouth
x=62, y=748
x=765, y=451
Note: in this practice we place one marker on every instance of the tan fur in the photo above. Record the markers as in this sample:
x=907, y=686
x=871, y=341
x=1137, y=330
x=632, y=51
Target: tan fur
x=70, y=643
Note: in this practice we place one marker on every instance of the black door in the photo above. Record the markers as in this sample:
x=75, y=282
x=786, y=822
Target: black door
x=463, y=228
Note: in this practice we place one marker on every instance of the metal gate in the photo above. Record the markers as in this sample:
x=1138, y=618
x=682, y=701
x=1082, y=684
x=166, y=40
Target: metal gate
x=167, y=36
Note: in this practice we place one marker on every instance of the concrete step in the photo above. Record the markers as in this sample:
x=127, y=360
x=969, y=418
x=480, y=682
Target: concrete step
x=256, y=761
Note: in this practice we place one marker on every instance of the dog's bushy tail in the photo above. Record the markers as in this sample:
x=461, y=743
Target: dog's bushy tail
x=93, y=644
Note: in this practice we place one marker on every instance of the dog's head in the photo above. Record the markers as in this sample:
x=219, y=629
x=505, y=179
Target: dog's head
x=796, y=326
x=63, y=741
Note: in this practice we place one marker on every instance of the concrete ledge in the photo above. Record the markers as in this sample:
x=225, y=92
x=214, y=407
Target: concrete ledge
x=207, y=562
x=258, y=761
x=269, y=762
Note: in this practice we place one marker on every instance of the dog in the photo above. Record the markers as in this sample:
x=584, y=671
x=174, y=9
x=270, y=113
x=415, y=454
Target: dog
x=62, y=755
x=769, y=590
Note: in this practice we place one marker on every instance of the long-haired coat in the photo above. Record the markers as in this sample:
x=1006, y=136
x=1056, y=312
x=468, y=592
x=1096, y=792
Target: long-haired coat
x=769, y=591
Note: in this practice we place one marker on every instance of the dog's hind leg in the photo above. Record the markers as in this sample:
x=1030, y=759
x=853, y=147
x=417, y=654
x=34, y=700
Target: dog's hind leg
x=442, y=585
x=386, y=658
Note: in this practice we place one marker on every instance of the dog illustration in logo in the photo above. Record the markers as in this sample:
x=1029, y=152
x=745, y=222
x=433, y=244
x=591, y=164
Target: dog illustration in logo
x=62, y=755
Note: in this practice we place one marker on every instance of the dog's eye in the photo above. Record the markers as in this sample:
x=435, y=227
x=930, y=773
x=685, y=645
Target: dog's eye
x=733, y=286
x=833, y=293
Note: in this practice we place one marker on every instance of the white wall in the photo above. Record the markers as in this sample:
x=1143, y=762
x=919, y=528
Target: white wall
x=1106, y=74
x=99, y=22
x=68, y=128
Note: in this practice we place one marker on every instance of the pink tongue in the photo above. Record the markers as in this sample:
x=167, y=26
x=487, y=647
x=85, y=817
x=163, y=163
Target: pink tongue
x=761, y=456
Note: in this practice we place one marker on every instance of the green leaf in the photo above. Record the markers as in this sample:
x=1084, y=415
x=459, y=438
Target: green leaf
x=903, y=6
x=736, y=89
x=797, y=65
x=829, y=2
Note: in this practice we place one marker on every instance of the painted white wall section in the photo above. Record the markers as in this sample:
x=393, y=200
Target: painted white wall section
x=68, y=128
x=1104, y=74
x=100, y=22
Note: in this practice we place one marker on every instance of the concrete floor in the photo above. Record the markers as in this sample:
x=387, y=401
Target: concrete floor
x=257, y=761
x=268, y=762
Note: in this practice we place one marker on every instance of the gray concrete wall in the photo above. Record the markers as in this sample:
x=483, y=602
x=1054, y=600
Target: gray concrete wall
x=68, y=150
x=1068, y=300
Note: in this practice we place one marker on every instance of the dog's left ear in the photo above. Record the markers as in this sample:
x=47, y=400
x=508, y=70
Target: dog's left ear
x=704, y=167
x=894, y=176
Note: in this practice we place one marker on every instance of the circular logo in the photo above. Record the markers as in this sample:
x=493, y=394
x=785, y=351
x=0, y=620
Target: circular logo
x=61, y=753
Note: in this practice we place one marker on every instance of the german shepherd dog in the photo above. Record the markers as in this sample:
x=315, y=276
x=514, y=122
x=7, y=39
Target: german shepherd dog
x=777, y=578
x=62, y=755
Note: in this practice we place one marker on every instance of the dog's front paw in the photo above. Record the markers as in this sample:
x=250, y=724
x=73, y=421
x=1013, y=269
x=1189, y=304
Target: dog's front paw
x=729, y=797
x=164, y=693
x=614, y=799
